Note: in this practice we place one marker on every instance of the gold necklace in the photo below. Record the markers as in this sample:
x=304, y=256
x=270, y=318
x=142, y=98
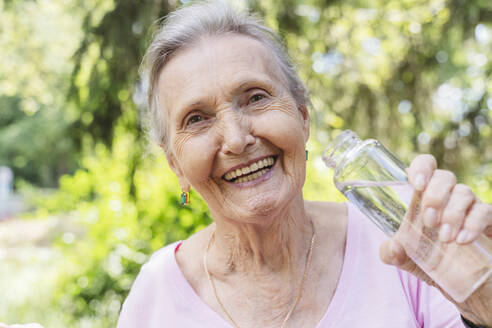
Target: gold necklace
x=299, y=291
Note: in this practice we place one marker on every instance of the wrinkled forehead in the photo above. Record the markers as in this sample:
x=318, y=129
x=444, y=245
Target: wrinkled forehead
x=213, y=64
x=214, y=51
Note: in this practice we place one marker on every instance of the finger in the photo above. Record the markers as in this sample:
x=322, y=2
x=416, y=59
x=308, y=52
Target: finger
x=421, y=170
x=392, y=253
x=385, y=252
x=388, y=253
x=479, y=220
x=3, y=325
x=453, y=216
x=436, y=196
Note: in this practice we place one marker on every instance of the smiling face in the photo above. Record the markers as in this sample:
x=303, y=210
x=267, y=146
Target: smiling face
x=236, y=135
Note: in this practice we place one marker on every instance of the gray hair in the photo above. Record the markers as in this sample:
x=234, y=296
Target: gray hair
x=188, y=24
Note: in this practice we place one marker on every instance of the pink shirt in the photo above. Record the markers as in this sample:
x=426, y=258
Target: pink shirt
x=369, y=293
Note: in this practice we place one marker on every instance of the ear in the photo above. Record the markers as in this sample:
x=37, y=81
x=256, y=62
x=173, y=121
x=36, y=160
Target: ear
x=305, y=121
x=176, y=168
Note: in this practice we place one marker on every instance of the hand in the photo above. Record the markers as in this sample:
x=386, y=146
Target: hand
x=458, y=215
x=28, y=325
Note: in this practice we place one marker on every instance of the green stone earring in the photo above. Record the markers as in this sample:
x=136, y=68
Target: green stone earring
x=307, y=155
x=185, y=198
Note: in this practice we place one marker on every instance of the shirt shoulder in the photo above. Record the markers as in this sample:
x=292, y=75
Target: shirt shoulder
x=143, y=302
x=383, y=294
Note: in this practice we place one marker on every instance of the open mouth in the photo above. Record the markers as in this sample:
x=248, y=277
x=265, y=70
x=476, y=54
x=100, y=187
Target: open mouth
x=250, y=172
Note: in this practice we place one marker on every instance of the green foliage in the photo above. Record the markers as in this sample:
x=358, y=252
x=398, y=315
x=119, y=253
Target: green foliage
x=106, y=65
x=33, y=71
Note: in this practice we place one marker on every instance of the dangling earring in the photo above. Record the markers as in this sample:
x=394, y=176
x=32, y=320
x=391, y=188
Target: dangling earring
x=307, y=155
x=185, y=198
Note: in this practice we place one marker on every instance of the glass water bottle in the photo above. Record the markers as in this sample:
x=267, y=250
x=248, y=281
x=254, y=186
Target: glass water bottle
x=375, y=181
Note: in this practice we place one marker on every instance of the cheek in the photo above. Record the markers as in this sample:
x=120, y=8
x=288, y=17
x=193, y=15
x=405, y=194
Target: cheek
x=197, y=155
x=282, y=127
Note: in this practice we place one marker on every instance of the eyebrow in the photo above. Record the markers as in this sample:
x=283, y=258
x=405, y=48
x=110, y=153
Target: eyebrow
x=264, y=82
x=244, y=83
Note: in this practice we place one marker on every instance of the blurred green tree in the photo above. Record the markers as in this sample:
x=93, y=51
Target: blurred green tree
x=35, y=66
x=104, y=79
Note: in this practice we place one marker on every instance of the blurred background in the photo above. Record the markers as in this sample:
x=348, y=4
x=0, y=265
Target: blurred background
x=84, y=199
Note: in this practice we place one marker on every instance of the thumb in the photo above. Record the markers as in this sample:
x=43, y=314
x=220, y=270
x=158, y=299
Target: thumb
x=393, y=253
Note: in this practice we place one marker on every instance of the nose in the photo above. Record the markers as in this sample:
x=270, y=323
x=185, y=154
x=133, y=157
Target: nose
x=236, y=134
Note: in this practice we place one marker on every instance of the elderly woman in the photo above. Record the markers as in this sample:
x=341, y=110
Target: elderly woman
x=231, y=115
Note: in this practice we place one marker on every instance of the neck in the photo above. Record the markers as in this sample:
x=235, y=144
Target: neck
x=278, y=244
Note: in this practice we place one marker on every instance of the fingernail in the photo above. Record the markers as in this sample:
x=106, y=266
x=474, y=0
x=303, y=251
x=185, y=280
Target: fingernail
x=445, y=233
x=464, y=237
x=430, y=217
x=419, y=183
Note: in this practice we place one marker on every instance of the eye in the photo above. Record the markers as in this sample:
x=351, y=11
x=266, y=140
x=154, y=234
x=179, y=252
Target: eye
x=193, y=119
x=256, y=97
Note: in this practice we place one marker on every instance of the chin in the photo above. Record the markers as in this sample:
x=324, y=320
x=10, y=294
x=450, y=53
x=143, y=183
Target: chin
x=261, y=208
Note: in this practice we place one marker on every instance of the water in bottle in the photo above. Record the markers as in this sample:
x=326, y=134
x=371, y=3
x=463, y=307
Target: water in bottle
x=375, y=181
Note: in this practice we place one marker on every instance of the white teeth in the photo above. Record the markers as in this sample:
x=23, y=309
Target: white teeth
x=250, y=172
x=251, y=177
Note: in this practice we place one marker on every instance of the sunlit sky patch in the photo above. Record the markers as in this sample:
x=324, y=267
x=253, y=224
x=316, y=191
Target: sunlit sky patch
x=482, y=33
x=372, y=46
x=327, y=63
